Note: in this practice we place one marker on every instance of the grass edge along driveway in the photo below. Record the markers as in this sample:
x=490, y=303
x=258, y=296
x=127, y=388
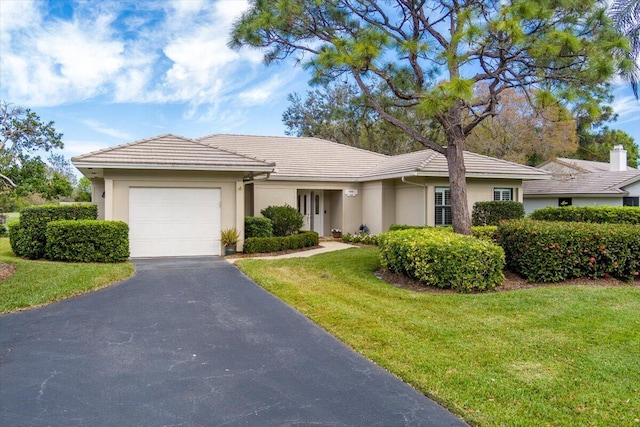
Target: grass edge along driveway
x=548, y=356
x=35, y=283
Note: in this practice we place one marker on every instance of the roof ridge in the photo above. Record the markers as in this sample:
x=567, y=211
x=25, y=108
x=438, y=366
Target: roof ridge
x=532, y=168
x=299, y=138
x=130, y=144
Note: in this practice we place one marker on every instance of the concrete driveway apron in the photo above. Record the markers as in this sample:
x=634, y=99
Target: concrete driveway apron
x=191, y=342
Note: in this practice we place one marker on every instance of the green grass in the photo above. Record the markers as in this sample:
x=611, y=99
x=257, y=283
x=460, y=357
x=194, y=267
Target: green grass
x=36, y=283
x=549, y=356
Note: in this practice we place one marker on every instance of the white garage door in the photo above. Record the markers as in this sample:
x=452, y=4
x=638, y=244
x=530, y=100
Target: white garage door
x=174, y=221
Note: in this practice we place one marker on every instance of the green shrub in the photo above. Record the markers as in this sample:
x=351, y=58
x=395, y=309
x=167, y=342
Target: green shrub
x=485, y=232
x=491, y=213
x=482, y=232
x=445, y=260
x=301, y=240
x=28, y=238
x=599, y=214
x=87, y=241
x=362, y=238
x=543, y=251
x=257, y=226
x=396, y=227
x=285, y=219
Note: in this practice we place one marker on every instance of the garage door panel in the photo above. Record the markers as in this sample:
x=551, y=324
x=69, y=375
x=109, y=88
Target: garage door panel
x=174, y=221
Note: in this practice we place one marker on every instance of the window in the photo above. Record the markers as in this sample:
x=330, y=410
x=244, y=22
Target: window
x=631, y=201
x=304, y=206
x=443, y=206
x=317, y=204
x=564, y=201
x=502, y=194
x=299, y=205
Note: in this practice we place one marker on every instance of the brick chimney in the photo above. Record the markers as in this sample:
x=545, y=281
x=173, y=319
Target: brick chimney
x=618, y=159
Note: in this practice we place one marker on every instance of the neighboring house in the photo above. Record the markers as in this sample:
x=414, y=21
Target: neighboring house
x=585, y=183
x=176, y=193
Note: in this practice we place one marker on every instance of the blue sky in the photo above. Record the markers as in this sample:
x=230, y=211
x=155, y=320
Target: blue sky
x=112, y=72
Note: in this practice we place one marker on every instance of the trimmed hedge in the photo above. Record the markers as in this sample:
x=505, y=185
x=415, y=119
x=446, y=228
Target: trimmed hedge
x=544, y=251
x=301, y=240
x=445, y=260
x=599, y=214
x=87, y=241
x=257, y=226
x=28, y=238
x=491, y=213
x=286, y=220
x=482, y=232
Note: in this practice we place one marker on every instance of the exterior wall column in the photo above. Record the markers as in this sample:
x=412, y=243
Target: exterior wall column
x=240, y=190
x=108, y=199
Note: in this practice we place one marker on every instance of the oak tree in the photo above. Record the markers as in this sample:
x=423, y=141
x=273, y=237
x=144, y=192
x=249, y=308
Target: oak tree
x=431, y=54
x=522, y=134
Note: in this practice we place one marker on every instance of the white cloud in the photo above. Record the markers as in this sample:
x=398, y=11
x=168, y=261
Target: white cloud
x=264, y=91
x=104, y=129
x=156, y=52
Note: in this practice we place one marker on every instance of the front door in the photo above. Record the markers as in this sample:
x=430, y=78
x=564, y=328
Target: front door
x=311, y=206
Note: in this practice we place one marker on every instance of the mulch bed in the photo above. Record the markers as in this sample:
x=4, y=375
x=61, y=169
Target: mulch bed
x=511, y=282
x=6, y=270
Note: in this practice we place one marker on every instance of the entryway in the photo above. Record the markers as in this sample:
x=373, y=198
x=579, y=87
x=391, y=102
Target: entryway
x=311, y=206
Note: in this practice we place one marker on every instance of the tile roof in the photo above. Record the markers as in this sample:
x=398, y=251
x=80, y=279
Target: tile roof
x=170, y=152
x=432, y=163
x=307, y=158
x=595, y=183
x=585, y=165
x=291, y=158
x=313, y=158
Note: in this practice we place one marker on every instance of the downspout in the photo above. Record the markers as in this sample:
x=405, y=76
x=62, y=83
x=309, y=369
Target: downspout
x=424, y=196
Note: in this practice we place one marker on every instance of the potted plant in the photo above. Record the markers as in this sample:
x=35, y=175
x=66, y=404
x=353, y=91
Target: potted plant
x=229, y=238
x=336, y=233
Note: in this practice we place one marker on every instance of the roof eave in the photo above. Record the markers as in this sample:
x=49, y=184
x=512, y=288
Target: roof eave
x=146, y=166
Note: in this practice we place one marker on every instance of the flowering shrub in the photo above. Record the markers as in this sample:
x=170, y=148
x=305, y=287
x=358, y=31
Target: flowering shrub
x=443, y=259
x=553, y=251
x=362, y=238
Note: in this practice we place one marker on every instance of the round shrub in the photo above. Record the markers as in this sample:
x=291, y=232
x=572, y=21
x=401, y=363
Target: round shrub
x=443, y=259
x=286, y=220
x=257, y=226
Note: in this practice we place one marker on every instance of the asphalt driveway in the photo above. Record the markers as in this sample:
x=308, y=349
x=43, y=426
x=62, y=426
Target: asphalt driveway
x=191, y=342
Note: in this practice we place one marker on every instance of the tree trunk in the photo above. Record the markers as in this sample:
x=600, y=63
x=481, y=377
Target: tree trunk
x=458, y=185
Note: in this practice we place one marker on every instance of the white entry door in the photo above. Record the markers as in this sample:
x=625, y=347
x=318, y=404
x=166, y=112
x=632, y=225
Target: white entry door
x=311, y=206
x=174, y=221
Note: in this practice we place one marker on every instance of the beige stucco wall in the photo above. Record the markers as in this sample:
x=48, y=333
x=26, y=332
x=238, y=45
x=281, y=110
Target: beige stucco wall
x=378, y=205
x=342, y=211
x=412, y=205
x=117, y=183
x=411, y=202
x=97, y=190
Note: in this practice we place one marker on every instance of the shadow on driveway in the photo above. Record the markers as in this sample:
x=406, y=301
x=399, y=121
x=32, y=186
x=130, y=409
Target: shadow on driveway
x=191, y=342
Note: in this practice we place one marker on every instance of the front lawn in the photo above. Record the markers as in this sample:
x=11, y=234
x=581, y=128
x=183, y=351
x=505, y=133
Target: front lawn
x=40, y=282
x=549, y=356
